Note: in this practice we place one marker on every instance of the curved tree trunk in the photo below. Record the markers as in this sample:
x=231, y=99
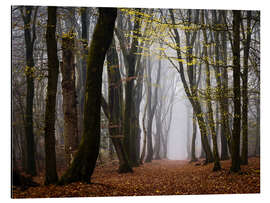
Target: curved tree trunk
x=194, y=102
x=84, y=162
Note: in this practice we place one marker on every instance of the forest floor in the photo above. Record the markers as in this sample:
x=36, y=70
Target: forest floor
x=160, y=177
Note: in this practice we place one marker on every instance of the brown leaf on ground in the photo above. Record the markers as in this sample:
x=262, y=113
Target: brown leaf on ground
x=162, y=177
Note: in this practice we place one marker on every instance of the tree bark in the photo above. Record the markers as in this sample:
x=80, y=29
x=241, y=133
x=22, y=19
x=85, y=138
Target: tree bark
x=82, y=73
x=209, y=104
x=235, y=166
x=84, y=162
x=193, y=141
x=224, y=104
x=115, y=108
x=130, y=136
x=244, y=154
x=71, y=138
x=53, y=70
x=29, y=71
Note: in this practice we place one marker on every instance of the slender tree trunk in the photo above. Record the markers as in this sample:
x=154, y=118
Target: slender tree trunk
x=53, y=70
x=82, y=76
x=29, y=71
x=194, y=102
x=144, y=130
x=129, y=140
x=188, y=134
x=257, y=144
x=224, y=106
x=84, y=162
x=151, y=111
x=235, y=167
x=115, y=108
x=244, y=154
x=193, y=142
x=209, y=104
x=138, y=99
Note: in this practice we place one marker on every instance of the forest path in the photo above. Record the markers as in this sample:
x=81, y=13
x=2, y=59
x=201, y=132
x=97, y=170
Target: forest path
x=160, y=177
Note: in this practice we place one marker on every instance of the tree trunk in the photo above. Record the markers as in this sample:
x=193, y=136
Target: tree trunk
x=115, y=108
x=193, y=142
x=144, y=129
x=224, y=104
x=84, y=162
x=53, y=70
x=71, y=138
x=29, y=71
x=130, y=136
x=188, y=134
x=244, y=154
x=82, y=75
x=257, y=144
x=194, y=102
x=235, y=167
x=209, y=104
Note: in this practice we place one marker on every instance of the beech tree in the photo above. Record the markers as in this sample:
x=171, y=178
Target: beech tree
x=235, y=167
x=53, y=70
x=84, y=162
x=30, y=37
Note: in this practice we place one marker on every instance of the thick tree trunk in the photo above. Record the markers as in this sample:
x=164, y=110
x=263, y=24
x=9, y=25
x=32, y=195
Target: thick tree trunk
x=84, y=162
x=71, y=138
x=53, y=70
x=235, y=167
x=244, y=154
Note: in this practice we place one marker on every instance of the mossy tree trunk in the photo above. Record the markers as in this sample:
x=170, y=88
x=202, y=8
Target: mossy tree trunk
x=84, y=162
x=235, y=166
x=71, y=138
x=30, y=37
x=53, y=70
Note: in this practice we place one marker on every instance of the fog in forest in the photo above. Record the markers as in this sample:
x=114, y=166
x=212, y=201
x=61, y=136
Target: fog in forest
x=130, y=87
